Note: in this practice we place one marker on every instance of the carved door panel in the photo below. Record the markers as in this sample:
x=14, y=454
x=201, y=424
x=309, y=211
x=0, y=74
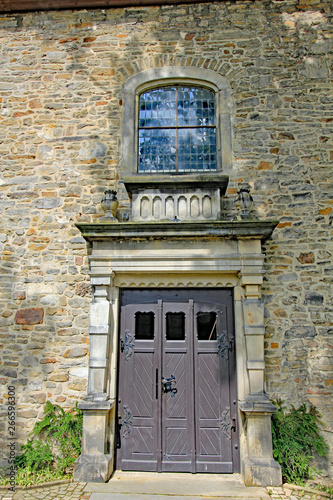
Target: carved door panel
x=177, y=389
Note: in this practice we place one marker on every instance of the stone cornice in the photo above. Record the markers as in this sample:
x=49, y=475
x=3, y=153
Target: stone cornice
x=99, y=231
x=143, y=182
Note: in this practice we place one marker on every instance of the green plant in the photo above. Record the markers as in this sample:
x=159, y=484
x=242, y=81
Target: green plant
x=54, y=447
x=295, y=435
x=36, y=456
x=62, y=432
x=27, y=477
x=325, y=489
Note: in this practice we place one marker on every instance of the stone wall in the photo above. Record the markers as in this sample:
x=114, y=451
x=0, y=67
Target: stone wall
x=61, y=83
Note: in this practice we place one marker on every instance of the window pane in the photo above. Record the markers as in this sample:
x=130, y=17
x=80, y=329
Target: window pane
x=157, y=108
x=197, y=149
x=206, y=325
x=196, y=107
x=177, y=130
x=157, y=150
x=175, y=326
x=144, y=326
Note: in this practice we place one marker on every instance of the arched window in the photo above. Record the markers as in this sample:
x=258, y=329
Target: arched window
x=177, y=130
x=176, y=120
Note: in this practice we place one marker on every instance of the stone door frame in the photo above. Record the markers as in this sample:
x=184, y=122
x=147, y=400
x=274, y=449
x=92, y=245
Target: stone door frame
x=217, y=254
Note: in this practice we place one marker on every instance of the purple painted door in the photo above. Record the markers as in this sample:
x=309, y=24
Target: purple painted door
x=138, y=391
x=177, y=407
x=177, y=401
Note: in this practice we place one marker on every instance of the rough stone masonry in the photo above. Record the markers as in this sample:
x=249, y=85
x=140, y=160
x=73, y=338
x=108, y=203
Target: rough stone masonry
x=61, y=81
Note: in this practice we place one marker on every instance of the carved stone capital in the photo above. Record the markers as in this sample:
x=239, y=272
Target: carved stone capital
x=257, y=403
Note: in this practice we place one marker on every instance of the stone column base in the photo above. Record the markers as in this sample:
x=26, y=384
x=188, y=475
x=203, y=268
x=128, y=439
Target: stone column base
x=93, y=468
x=259, y=467
x=261, y=472
x=96, y=461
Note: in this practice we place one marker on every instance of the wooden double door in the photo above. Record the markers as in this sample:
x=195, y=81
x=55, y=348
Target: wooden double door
x=177, y=405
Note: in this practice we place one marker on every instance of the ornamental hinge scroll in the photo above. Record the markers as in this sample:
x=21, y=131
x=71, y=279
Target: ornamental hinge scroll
x=227, y=424
x=126, y=422
x=127, y=344
x=223, y=345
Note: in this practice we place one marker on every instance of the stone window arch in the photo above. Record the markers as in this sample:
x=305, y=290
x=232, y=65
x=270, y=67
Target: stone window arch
x=160, y=78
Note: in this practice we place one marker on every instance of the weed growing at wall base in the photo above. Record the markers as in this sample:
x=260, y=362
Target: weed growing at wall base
x=51, y=452
x=295, y=435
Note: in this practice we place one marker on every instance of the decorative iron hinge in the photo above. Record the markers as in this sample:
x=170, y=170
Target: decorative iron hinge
x=127, y=344
x=223, y=345
x=226, y=425
x=126, y=422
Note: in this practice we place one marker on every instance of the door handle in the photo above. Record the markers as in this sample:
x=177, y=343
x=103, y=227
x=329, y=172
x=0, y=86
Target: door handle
x=169, y=385
x=118, y=428
x=156, y=384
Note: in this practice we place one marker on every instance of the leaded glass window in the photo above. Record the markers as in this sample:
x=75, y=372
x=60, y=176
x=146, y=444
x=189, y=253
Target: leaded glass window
x=177, y=130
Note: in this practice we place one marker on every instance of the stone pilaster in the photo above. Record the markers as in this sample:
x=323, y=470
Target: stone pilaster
x=96, y=461
x=258, y=466
x=99, y=330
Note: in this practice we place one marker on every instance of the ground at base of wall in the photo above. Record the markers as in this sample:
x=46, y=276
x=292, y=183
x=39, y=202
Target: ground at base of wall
x=293, y=492
x=76, y=491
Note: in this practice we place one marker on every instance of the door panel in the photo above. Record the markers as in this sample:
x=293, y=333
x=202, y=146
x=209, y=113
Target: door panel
x=137, y=405
x=211, y=373
x=177, y=408
x=177, y=385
